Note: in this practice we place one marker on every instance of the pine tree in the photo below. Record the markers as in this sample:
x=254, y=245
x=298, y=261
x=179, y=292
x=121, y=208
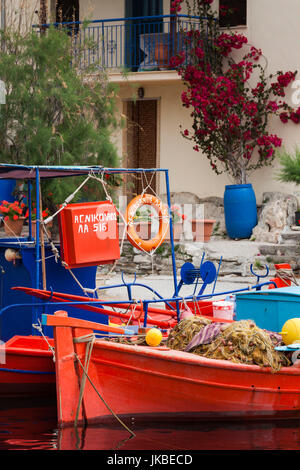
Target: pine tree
x=54, y=114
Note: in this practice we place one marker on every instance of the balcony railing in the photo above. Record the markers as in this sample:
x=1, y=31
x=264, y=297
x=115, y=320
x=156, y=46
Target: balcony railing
x=135, y=44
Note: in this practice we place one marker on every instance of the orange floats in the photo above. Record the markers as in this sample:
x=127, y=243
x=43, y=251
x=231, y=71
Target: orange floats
x=163, y=215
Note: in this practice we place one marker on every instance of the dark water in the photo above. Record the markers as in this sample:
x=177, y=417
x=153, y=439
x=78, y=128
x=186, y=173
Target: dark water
x=31, y=425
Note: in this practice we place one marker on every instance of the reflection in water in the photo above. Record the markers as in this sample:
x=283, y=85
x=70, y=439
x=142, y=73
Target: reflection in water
x=32, y=425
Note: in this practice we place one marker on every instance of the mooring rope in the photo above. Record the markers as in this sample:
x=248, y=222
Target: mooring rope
x=91, y=339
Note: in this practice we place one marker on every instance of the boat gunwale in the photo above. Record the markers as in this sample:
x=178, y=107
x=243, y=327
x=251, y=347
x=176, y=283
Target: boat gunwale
x=193, y=359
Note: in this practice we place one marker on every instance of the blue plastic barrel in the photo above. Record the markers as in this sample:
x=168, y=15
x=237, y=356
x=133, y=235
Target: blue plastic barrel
x=6, y=189
x=240, y=210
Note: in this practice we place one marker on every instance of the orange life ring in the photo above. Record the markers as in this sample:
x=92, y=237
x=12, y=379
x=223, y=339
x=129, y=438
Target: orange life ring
x=163, y=214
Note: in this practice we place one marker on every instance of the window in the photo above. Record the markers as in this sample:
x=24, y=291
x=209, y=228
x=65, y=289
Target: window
x=232, y=12
x=67, y=10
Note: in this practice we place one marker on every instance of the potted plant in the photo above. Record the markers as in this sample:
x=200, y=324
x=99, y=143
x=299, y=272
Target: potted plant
x=229, y=116
x=13, y=217
x=177, y=223
x=290, y=172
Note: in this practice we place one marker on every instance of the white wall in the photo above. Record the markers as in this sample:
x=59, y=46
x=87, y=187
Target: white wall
x=273, y=26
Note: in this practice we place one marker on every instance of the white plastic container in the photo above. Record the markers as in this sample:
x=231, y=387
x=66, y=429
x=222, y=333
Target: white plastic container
x=223, y=309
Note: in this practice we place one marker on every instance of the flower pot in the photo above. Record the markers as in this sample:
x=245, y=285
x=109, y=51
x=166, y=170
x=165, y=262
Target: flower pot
x=143, y=229
x=240, y=210
x=177, y=231
x=297, y=218
x=33, y=228
x=14, y=227
x=202, y=229
x=161, y=55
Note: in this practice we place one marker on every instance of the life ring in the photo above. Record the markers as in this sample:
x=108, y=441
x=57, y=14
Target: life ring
x=163, y=214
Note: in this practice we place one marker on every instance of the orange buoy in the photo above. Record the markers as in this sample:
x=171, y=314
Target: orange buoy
x=163, y=215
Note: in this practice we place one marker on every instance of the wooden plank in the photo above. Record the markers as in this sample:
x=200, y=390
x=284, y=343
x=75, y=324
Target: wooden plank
x=57, y=320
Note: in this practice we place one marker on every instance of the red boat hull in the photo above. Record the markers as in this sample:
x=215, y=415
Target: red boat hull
x=144, y=382
x=152, y=382
x=28, y=368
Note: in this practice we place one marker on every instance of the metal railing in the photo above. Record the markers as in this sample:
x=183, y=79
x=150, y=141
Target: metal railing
x=135, y=44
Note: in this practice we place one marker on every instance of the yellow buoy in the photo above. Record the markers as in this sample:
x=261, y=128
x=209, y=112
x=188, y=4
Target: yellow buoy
x=291, y=331
x=153, y=337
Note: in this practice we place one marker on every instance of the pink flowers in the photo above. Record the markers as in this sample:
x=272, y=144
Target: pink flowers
x=294, y=116
x=230, y=116
x=177, y=216
x=285, y=79
x=175, y=6
x=226, y=42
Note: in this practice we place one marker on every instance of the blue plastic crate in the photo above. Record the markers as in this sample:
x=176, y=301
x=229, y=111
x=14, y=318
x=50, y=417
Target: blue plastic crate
x=269, y=309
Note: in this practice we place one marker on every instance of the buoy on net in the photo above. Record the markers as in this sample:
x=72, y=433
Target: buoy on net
x=291, y=331
x=153, y=337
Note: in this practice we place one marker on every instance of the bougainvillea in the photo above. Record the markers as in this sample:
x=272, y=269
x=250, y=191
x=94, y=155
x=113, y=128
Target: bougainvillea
x=231, y=101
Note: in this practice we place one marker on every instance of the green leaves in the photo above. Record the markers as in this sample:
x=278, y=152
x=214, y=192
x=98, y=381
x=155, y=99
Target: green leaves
x=53, y=114
x=290, y=171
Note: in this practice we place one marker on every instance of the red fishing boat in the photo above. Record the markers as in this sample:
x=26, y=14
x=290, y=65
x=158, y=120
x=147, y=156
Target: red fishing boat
x=122, y=380
x=27, y=368
x=98, y=380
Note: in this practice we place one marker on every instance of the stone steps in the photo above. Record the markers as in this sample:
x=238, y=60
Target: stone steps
x=287, y=251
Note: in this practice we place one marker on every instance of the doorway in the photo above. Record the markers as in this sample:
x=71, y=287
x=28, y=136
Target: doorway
x=141, y=143
x=134, y=28
x=67, y=10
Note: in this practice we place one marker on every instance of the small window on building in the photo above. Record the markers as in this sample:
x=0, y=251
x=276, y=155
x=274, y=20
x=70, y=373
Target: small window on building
x=232, y=12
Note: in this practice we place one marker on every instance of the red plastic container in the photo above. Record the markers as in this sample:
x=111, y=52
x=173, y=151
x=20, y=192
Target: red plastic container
x=89, y=234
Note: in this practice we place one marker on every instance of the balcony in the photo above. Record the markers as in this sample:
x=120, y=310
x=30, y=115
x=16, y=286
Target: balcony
x=140, y=44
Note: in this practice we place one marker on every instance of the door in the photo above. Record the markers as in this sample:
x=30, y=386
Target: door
x=141, y=145
x=134, y=55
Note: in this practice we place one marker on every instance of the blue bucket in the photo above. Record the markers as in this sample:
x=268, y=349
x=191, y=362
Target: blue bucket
x=6, y=189
x=240, y=210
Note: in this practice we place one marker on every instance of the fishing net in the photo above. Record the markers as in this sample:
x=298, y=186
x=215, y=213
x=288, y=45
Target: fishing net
x=240, y=342
x=183, y=333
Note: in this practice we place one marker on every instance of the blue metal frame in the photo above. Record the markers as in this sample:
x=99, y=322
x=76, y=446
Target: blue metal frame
x=205, y=272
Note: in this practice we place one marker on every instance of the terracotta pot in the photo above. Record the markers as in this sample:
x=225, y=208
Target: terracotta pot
x=202, y=229
x=162, y=55
x=177, y=231
x=14, y=227
x=33, y=228
x=143, y=229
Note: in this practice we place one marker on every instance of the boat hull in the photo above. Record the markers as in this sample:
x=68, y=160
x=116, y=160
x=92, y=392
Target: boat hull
x=27, y=369
x=98, y=380
x=147, y=382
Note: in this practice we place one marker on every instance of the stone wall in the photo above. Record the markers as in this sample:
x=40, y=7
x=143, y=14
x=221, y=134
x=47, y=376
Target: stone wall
x=277, y=215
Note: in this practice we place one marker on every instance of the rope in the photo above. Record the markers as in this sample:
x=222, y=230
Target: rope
x=39, y=328
x=90, y=339
x=286, y=275
x=67, y=201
